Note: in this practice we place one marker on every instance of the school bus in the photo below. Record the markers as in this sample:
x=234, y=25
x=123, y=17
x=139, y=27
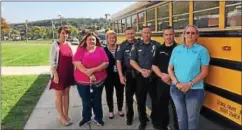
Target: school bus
x=219, y=23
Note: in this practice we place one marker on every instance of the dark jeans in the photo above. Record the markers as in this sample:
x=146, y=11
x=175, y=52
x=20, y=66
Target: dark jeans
x=130, y=90
x=188, y=106
x=162, y=105
x=111, y=82
x=143, y=86
x=91, y=101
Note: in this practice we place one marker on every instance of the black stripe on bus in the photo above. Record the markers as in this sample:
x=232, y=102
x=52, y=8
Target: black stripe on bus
x=221, y=120
x=225, y=33
x=224, y=93
x=234, y=65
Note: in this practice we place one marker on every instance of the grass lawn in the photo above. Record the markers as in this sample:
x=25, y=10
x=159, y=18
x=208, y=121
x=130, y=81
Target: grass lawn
x=19, y=97
x=25, y=55
x=29, y=42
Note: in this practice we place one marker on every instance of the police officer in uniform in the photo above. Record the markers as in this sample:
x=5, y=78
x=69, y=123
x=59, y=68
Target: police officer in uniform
x=160, y=67
x=126, y=72
x=141, y=60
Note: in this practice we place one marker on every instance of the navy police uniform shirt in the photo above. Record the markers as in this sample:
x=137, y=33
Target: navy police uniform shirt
x=123, y=54
x=162, y=57
x=143, y=53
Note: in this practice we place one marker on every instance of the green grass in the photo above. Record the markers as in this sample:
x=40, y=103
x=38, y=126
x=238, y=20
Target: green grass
x=19, y=97
x=29, y=42
x=25, y=55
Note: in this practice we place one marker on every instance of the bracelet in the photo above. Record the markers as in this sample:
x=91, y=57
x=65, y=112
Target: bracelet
x=192, y=83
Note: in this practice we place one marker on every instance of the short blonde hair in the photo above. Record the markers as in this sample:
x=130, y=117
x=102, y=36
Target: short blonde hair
x=111, y=32
x=184, y=32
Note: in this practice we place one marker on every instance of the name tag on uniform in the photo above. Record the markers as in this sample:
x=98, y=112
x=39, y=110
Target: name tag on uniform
x=126, y=50
x=139, y=50
x=162, y=52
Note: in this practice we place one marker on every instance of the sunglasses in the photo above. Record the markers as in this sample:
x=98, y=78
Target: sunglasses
x=193, y=33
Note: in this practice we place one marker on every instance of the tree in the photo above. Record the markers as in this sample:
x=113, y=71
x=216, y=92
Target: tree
x=4, y=26
x=74, y=30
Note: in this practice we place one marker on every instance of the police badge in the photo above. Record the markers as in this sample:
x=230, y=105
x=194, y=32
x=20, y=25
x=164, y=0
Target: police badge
x=133, y=47
x=153, y=50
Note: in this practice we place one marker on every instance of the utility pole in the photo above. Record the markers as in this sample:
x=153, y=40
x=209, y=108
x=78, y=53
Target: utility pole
x=53, y=29
x=107, y=18
x=26, y=30
x=60, y=19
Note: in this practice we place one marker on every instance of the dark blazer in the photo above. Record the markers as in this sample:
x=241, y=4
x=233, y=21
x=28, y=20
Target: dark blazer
x=112, y=62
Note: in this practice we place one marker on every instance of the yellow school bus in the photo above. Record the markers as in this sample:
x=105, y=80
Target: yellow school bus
x=219, y=23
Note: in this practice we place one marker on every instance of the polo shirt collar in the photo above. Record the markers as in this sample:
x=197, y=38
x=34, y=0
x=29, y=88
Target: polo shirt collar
x=194, y=45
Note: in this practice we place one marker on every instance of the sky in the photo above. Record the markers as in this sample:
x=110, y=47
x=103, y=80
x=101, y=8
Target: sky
x=18, y=12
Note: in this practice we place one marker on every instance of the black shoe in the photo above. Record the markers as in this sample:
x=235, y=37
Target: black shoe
x=129, y=122
x=83, y=122
x=99, y=123
x=142, y=126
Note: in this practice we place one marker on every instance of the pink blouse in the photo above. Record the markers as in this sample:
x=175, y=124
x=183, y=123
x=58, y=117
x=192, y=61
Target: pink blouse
x=90, y=60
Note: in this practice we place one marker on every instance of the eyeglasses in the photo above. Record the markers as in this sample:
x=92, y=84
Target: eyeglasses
x=193, y=33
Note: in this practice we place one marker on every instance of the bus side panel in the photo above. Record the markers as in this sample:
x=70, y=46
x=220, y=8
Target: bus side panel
x=120, y=39
x=226, y=79
x=224, y=107
x=217, y=47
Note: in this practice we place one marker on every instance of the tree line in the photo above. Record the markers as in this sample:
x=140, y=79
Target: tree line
x=47, y=29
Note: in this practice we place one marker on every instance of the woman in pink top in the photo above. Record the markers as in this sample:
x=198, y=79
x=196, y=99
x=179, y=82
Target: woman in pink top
x=91, y=62
x=62, y=71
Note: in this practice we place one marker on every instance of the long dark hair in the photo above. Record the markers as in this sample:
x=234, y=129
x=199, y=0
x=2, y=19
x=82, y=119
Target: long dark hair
x=83, y=41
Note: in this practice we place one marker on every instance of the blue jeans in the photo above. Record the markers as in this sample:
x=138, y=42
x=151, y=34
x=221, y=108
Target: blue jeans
x=91, y=101
x=188, y=106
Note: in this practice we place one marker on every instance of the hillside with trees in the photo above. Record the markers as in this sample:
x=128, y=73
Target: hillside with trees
x=47, y=29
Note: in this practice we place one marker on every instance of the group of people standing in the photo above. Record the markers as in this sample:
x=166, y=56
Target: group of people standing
x=170, y=73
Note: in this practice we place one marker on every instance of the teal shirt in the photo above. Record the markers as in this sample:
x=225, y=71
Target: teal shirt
x=187, y=63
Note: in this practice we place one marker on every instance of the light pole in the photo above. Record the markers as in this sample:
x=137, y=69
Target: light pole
x=107, y=18
x=60, y=19
x=26, y=30
x=53, y=29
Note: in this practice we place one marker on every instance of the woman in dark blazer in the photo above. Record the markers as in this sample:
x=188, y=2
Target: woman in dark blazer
x=113, y=78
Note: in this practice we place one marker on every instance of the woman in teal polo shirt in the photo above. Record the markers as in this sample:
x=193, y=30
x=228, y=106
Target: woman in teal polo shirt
x=188, y=67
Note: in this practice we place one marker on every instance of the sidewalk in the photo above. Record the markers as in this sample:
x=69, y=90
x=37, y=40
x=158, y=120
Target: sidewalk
x=25, y=70
x=44, y=115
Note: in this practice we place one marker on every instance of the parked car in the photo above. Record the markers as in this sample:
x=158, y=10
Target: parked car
x=103, y=40
x=74, y=41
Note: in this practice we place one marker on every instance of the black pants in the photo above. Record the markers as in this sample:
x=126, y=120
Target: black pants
x=144, y=85
x=111, y=82
x=162, y=105
x=130, y=90
x=152, y=94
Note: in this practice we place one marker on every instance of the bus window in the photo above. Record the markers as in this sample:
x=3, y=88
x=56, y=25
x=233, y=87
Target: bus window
x=150, y=21
x=141, y=19
x=206, y=15
x=116, y=26
x=123, y=23
x=119, y=26
x=233, y=13
x=163, y=16
x=180, y=14
x=128, y=20
x=134, y=17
